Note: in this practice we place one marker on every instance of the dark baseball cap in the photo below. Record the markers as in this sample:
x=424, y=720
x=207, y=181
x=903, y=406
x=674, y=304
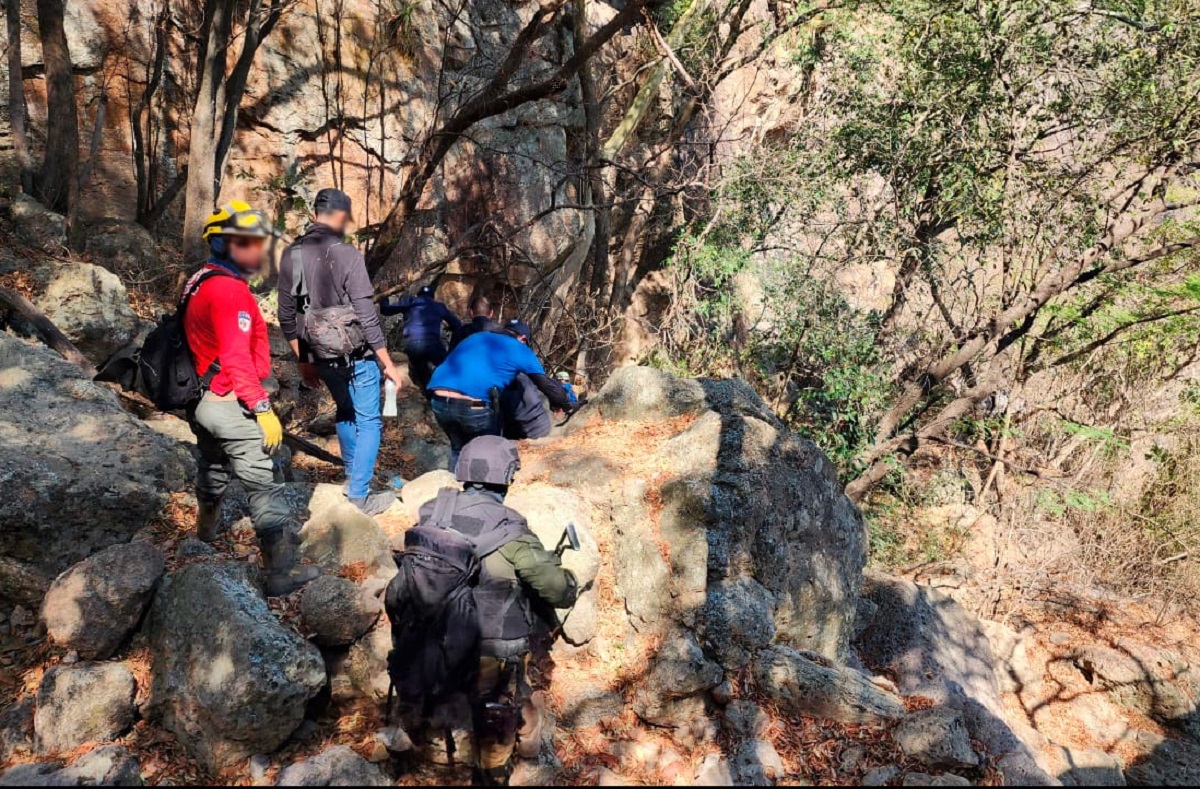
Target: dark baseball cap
x=330, y=199
x=518, y=328
x=425, y=291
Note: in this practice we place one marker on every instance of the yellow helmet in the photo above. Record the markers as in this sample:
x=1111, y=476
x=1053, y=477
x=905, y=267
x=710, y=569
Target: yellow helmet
x=236, y=218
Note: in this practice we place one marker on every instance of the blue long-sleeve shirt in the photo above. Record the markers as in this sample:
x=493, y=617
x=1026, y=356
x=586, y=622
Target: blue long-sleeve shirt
x=490, y=360
x=423, y=318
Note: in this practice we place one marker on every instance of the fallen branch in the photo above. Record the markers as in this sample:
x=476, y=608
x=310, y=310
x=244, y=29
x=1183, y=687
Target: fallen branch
x=45, y=329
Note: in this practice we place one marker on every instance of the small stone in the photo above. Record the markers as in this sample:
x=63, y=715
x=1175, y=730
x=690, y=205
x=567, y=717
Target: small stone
x=259, y=765
x=1060, y=639
x=923, y=779
x=379, y=753
x=881, y=776
x=395, y=739
x=936, y=737
x=71, y=658
x=714, y=772
x=722, y=694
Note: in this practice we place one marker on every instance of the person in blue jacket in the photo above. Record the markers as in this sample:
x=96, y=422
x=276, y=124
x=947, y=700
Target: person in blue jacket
x=564, y=378
x=465, y=389
x=423, y=317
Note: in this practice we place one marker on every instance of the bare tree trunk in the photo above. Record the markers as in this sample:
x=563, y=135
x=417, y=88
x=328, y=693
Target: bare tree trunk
x=16, y=98
x=200, y=194
x=57, y=185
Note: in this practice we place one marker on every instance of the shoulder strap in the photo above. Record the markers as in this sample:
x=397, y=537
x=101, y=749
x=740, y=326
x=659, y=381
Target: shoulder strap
x=497, y=538
x=214, y=368
x=443, y=508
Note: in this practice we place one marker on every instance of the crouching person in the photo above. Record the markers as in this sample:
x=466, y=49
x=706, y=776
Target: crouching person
x=235, y=425
x=452, y=634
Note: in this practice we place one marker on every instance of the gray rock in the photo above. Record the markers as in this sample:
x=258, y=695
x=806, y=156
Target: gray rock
x=881, y=776
x=680, y=672
x=933, y=647
x=644, y=393
x=591, y=708
x=745, y=720
x=95, y=605
x=366, y=664
x=714, y=771
x=337, y=611
x=342, y=536
x=229, y=680
x=87, y=702
x=803, y=687
x=37, y=225
x=1089, y=767
x=259, y=765
x=16, y=729
x=336, y=766
x=191, y=548
x=549, y=509
x=1165, y=763
x=936, y=737
x=424, y=488
x=89, y=304
x=922, y=779
x=737, y=620
x=110, y=765
x=81, y=474
x=757, y=763
x=1154, y=682
x=125, y=248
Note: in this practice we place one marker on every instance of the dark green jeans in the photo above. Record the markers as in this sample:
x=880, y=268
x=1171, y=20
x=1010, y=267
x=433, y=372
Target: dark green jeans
x=231, y=445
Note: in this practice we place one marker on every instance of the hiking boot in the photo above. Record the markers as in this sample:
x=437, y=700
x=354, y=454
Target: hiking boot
x=375, y=503
x=284, y=575
x=208, y=521
x=529, y=737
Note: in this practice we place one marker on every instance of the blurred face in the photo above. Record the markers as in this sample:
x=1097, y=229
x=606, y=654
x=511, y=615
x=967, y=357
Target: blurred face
x=337, y=221
x=247, y=253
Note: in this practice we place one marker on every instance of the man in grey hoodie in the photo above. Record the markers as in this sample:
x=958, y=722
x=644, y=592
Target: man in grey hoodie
x=320, y=270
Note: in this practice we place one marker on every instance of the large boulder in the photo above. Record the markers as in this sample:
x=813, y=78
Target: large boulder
x=549, y=509
x=936, y=737
x=90, y=305
x=335, y=766
x=366, y=664
x=425, y=488
x=110, y=765
x=96, y=604
x=671, y=694
x=125, y=248
x=80, y=473
x=37, y=225
x=804, y=687
x=228, y=679
x=935, y=648
x=337, y=612
x=87, y=702
x=711, y=544
x=342, y=538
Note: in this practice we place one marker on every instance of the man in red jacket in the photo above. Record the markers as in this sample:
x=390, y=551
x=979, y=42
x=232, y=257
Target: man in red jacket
x=236, y=428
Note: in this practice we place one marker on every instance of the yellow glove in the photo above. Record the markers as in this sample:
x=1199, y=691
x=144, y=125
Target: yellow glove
x=272, y=430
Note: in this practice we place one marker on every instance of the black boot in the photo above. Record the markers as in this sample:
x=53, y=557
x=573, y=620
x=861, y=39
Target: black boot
x=208, y=521
x=284, y=575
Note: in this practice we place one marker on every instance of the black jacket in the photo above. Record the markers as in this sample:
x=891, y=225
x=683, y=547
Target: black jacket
x=334, y=273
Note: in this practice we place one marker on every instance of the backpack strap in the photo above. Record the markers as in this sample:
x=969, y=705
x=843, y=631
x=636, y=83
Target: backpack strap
x=497, y=538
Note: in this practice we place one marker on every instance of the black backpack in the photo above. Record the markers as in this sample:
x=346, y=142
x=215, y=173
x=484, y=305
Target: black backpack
x=431, y=605
x=165, y=366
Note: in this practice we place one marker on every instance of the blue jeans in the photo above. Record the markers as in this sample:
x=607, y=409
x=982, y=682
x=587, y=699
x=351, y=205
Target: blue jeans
x=462, y=422
x=355, y=390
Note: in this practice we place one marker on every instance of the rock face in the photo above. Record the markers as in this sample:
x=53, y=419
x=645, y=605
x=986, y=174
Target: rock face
x=937, y=738
x=111, y=765
x=96, y=604
x=720, y=554
x=16, y=729
x=804, y=687
x=935, y=648
x=229, y=680
x=337, y=612
x=88, y=702
x=336, y=766
x=1153, y=682
x=90, y=305
x=342, y=537
x=80, y=473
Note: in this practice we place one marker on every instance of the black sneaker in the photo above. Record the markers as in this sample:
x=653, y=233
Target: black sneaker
x=375, y=503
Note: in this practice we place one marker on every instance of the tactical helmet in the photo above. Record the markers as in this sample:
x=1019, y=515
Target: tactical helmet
x=236, y=218
x=488, y=460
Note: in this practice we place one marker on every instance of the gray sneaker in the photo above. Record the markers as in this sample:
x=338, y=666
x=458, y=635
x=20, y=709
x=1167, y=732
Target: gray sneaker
x=375, y=503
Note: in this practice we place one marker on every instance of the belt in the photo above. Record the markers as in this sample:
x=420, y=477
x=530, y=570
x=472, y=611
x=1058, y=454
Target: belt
x=471, y=402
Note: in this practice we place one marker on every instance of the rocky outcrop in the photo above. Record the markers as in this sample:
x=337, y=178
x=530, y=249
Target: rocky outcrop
x=90, y=305
x=88, y=702
x=336, y=766
x=80, y=473
x=936, y=737
x=111, y=765
x=94, y=606
x=228, y=680
x=1149, y=681
x=804, y=687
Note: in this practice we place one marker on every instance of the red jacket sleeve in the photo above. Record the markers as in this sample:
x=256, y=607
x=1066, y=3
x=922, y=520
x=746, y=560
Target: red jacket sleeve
x=234, y=313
